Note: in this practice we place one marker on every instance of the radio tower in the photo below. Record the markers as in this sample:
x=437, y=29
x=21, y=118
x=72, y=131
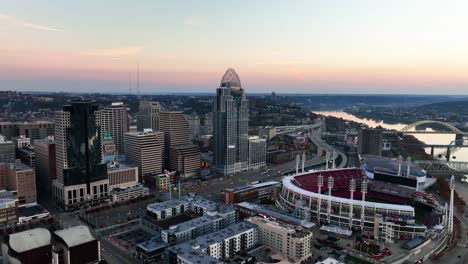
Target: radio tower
x=450, y=216
x=363, y=208
x=319, y=202
x=138, y=81
x=331, y=181
x=352, y=188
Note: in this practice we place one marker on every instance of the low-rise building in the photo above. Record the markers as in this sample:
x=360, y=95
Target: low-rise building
x=293, y=242
x=32, y=246
x=31, y=212
x=246, y=210
x=75, y=245
x=8, y=209
x=215, y=247
x=132, y=192
x=251, y=193
x=122, y=175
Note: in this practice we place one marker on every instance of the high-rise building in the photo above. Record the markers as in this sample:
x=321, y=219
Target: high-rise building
x=46, y=171
x=176, y=131
x=148, y=116
x=114, y=122
x=81, y=173
x=257, y=153
x=7, y=150
x=145, y=150
x=230, y=125
x=370, y=141
x=185, y=159
x=194, y=125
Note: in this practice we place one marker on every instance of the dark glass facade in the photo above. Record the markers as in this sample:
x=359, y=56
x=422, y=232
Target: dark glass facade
x=83, y=141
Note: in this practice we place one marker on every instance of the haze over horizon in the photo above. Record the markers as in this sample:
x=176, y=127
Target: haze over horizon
x=324, y=47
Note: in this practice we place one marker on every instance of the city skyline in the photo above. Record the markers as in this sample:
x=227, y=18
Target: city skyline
x=301, y=47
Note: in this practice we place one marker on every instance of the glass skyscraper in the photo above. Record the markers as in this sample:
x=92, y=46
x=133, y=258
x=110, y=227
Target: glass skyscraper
x=230, y=125
x=81, y=172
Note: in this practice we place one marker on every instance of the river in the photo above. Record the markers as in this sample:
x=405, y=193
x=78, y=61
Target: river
x=458, y=154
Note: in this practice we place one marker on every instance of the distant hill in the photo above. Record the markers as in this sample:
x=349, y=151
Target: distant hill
x=456, y=107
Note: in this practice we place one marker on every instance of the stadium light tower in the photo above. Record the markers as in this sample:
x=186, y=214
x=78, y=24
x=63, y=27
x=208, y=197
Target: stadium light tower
x=303, y=161
x=327, y=157
x=319, y=201
x=408, y=168
x=333, y=160
x=352, y=188
x=330, y=183
x=450, y=216
x=363, y=209
x=400, y=161
x=297, y=163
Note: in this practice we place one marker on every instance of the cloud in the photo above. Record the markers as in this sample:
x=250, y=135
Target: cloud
x=114, y=52
x=26, y=24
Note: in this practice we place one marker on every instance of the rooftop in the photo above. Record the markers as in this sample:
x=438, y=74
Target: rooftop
x=31, y=210
x=129, y=189
x=194, y=223
x=75, y=236
x=277, y=214
x=388, y=165
x=29, y=239
x=119, y=166
x=154, y=243
x=254, y=186
x=191, y=250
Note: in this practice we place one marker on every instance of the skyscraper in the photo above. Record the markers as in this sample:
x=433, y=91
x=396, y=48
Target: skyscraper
x=145, y=150
x=45, y=163
x=230, y=125
x=148, y=115
x=114, y=121
x=370, y=141
x=176, y=131
x=81, y=174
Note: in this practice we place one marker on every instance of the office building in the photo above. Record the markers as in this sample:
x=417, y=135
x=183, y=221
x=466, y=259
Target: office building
x=21, y=141
x=206, y=124
x=145, y=150
x=252, y=193
x=46, y=172
x=75, y=245
x=81, y=173
x=122, y=175
x=370, y=141
x=194, y=125
x=185, y=159
x=20, y=180
x=32, y=130
x=217, y=246
x=113, y=121
x=230, y=126
x=27, y=156
x=7, y=150
x=32, y=246
x=295, y=243
x=176, y=131
x=148, y=115
x=257, y=153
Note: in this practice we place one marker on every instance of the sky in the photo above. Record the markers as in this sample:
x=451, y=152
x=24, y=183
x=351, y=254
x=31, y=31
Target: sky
x=309, y=46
